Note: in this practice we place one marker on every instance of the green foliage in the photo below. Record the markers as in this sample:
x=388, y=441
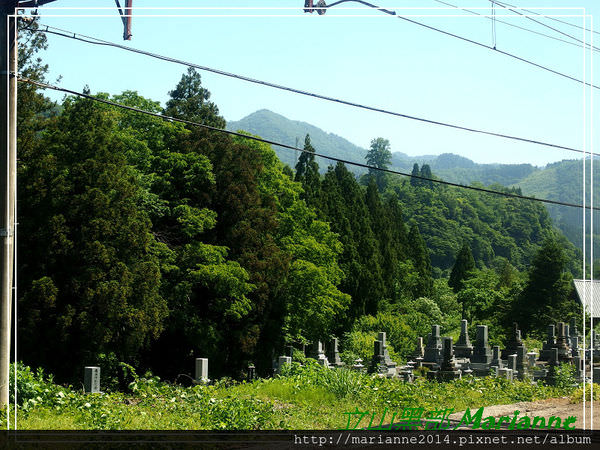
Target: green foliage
x=460, y=271
x=565, y=376
x=548, y=296
x=380, y=156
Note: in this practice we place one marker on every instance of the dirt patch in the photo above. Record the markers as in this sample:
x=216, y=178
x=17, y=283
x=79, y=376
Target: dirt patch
x=558, y=407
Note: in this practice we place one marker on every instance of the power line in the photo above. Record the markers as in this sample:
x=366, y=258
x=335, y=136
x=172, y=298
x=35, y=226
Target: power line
x=462, y=38
x=556, y=19
x=529, y=30
x=267, y=141
x=505, y=5
x=96, y=41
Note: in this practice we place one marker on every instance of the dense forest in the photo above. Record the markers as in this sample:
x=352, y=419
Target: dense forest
x=151, y=242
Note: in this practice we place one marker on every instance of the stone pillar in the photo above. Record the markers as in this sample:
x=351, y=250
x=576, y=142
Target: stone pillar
x=333, y=354
x=513, y=343
x=251, y=373
x=463, y=347
x=550, y=343
x=482, y=354
x=564, y=352
x=434, y=346
x=521, y=361
x=201, y=370
x=282, y=361
x=496, y=361
x=91, y=379
x=419, y=350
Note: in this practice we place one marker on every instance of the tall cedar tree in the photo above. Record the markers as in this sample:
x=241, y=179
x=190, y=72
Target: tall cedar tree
x=382, y=226
x=307, y=173
x=414, y=181
x=548, y=294
x=190, y=101
x=248, y=225
x=344, y=207
x=462, y=266
x=460, y=272
x=380, y=156
x=90, y=285
x=420, y=256
x=426, y=173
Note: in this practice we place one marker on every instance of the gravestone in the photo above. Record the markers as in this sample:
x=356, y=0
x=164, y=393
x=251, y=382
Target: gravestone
x=482, y=354
x=575, y=346
x=496, y=360
x=463, y=347
x=513, y=342
x=552, y=366
x=564, y=352
x=333, y=354
x=512, y=362
x=319, y=354
x=91, y=380
x=381, y=362
x=433, y=349
x=419, y=351
x=251, y=373
x=521, y=362
x=531, y=357
x=201, y=372
x=448, y=370
x=549, y=344
x=282, y=361
x=578, y=369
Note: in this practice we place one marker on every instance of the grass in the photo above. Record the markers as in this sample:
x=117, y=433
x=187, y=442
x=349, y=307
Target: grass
x=308, y=397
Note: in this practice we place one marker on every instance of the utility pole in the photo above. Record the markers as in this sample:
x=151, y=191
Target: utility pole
x=8, y=179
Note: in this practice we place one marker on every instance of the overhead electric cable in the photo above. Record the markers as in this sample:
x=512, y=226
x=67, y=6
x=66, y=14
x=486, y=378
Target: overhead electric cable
x=96, y=41
x=529, y=30
x=462, y=38
x=506, y=6
x=279, y=144
x=556, y=19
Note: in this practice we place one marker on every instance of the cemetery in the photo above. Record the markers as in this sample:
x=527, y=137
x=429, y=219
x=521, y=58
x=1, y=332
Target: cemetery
x=445, y=361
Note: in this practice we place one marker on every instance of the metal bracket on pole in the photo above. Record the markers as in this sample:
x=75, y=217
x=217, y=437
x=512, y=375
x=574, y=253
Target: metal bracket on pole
x=6, y=233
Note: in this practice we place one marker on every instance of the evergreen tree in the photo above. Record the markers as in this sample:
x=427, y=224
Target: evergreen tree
x=462, y=266
x=548, y=296
x=307, y=173
x=380, y=156
x=415, y=173
x=420, y=258
x=91, y=282
x=426, y=173
x=190, y=101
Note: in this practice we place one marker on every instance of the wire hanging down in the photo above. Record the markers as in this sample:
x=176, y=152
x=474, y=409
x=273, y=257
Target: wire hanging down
x=506, y=6
x=504, y=22
x=279, y=144
x=96, y=41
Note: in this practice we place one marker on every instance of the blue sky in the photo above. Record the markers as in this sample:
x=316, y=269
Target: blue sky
x=359, y=55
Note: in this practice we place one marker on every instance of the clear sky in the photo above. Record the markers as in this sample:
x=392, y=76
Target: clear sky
x=358, y=55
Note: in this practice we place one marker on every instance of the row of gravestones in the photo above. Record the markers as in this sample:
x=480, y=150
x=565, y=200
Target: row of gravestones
x=445, y=361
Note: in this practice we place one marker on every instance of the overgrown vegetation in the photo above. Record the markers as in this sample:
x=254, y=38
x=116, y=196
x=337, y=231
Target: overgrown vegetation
x=309, y=397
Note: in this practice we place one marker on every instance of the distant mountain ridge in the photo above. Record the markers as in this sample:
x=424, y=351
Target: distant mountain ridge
x=557, y=181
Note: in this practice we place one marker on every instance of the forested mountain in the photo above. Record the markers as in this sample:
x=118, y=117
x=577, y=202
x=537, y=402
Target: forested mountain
x=558, y=181
x=152, y=243
x=276, y=127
